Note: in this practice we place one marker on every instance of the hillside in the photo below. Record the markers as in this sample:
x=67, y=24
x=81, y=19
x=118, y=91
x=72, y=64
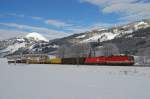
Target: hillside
x=130, y=38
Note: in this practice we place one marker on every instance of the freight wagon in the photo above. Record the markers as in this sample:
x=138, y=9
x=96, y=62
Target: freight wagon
x=80, y=60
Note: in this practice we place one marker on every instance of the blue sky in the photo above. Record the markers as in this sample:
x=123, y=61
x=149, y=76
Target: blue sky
x=59, y=18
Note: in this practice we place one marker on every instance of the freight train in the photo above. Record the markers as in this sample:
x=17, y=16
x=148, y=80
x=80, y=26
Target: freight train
x=101, y=60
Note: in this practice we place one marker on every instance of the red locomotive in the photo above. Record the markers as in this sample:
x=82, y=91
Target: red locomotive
x=110, y=60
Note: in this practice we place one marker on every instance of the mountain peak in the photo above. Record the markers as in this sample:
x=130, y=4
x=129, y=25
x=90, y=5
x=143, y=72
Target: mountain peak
x=36, y=36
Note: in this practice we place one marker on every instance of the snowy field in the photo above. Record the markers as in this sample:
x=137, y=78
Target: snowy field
x=22, y=81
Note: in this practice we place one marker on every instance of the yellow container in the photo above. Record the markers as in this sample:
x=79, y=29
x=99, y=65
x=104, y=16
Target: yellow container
x=33, y=60
x=48, y=61
x=56, y=61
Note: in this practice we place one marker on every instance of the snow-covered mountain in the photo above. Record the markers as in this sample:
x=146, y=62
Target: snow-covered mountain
x=112, y=33
x=25, y=43
x=132, y=38
x=128, y=37
x=36, y=36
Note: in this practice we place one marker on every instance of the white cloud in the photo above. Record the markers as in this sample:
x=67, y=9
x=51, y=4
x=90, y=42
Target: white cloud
x=21, y=29
x=49, y=33
x=6, y=34
x=127, y=9
x=81, y=29
x=23, y=16
x=16, y=15
x=25, y=27
x=57, y=23
x=37, y=18
x=1, y=16
x=105, y=3
x=54, y=22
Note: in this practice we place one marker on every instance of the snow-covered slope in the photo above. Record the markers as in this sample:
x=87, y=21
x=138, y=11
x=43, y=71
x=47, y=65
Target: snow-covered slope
x=141, y=25
x=25, y=42
x=112, y=33
x=13, y=48
x=36, y=42
x=36, y=36
x=102, y=37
